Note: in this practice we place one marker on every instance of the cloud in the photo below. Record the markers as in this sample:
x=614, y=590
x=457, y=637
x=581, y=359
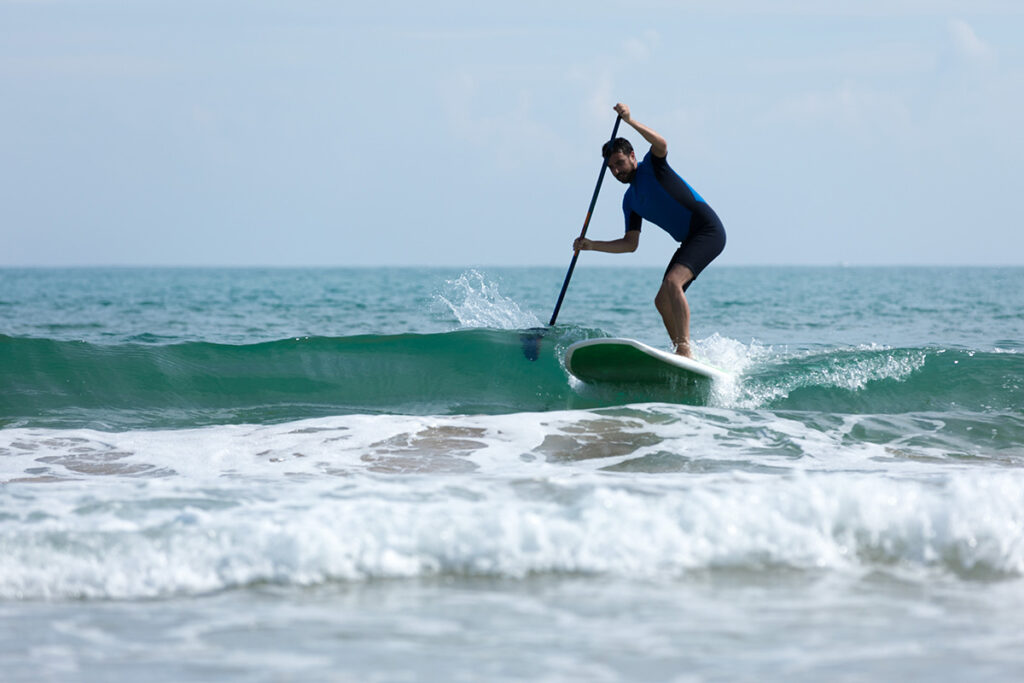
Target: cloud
x=968, y=46
x=848, y=108
x=494, y=107
x=640, y=49
x=600, y=100
x=499, y=117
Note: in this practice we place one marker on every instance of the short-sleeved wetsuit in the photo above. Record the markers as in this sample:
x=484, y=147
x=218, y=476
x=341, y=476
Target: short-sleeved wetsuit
x=659, y=195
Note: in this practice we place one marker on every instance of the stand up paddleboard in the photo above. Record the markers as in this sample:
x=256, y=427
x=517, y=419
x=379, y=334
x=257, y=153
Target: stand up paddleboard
x=627, y=361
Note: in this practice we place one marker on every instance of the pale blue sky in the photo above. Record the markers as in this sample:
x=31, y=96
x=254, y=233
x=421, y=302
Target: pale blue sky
x=465, y=133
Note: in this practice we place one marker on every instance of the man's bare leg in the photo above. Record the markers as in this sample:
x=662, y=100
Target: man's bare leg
x=675, y=311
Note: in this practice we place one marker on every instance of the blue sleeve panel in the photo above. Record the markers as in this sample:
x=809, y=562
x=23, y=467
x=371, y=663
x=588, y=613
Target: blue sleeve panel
x=659, y=195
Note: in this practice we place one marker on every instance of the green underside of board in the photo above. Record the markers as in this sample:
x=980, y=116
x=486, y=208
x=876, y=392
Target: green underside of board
x=629, y=365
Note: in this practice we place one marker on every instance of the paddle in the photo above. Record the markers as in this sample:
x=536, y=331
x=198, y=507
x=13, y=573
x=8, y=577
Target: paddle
x=531, y=343
x=586, y=222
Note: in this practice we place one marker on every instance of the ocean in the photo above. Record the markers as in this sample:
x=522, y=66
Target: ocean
x=363, y=475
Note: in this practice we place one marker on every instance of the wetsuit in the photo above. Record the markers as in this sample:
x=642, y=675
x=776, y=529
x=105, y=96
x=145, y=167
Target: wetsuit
x=658, y=194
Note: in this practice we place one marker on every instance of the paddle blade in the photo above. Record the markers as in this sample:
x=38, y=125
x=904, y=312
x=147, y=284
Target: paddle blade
x=530, y=340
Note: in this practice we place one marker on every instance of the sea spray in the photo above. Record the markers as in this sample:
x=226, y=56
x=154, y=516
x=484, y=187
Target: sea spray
x=476, y=301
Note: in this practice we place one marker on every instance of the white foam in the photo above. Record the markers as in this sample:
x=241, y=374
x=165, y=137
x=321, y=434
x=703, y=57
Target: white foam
x=735, y=358
x=160, y=538
x=850, y=372
x=511, y=445
x=145, y=514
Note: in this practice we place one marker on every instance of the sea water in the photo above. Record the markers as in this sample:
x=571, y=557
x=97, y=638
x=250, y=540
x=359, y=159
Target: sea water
x=364, y=475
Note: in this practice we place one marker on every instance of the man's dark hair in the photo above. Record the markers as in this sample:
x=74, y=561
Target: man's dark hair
x=616, y=145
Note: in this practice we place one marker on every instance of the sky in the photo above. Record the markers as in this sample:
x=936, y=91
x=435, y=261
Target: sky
x=465, y=133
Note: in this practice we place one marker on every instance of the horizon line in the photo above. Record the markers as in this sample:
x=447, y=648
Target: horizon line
x=325, y=266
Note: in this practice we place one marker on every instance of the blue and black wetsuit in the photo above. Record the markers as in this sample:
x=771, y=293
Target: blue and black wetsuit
x=659, y=195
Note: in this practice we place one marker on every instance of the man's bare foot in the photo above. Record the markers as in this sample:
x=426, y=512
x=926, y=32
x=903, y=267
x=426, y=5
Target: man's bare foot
x=683, y=349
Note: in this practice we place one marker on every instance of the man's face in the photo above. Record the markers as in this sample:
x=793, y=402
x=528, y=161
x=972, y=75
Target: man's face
x=623, y=167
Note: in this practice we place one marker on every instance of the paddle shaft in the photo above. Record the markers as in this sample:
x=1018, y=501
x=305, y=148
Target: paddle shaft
x=583, y=233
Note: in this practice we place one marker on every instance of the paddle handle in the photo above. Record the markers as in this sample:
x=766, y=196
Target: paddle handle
x=586, y=222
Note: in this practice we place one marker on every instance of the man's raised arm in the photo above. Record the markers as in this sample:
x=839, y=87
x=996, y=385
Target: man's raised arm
x=659, y=147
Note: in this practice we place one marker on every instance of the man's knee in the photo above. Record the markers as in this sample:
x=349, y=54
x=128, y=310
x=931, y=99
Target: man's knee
x=675, y=282
x=669, y=296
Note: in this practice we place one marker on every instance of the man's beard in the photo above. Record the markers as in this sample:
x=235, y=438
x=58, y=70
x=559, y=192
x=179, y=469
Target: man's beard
x=628, y=178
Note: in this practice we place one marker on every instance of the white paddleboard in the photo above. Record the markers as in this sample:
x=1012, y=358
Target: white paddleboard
x=628, y=361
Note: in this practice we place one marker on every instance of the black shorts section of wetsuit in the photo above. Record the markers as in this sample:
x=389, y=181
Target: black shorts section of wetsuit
x=705, y=241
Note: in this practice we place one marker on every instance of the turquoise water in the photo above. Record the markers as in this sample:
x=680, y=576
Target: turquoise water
x=282, y=474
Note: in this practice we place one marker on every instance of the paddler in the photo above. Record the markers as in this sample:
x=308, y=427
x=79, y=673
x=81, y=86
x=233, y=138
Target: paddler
x=657, y=193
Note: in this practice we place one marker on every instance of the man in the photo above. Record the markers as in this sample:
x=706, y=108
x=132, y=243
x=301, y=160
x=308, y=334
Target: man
x=658, y=194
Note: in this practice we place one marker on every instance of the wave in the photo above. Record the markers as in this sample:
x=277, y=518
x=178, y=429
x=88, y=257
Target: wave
x=476, y=371
x=891, y=381
x=56, y=383
x=158, y=540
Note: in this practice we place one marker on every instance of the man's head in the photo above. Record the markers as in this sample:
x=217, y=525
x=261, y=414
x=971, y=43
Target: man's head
x=621, y=159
